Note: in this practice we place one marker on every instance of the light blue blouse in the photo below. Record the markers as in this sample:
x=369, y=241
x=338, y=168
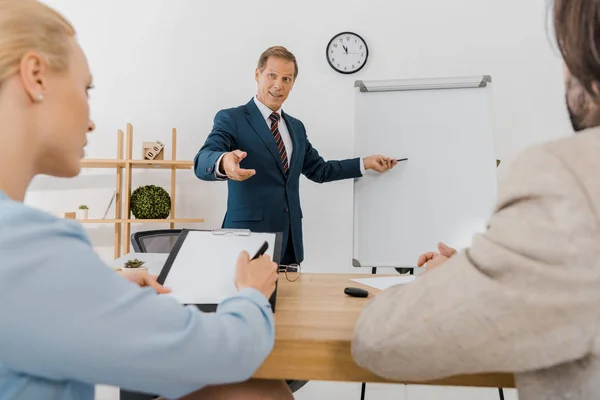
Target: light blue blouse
x=67, y=321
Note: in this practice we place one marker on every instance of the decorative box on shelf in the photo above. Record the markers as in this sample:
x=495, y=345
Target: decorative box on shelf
x=66, y=215
x=153, y=150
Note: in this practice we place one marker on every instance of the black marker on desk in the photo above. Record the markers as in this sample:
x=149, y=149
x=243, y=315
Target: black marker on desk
x=356, y=292
x=262, y=250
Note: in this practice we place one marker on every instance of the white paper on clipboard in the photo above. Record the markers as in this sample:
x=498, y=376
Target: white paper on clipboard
x=203, y=270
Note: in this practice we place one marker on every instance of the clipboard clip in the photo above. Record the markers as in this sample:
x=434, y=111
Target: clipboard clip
x=236, y=232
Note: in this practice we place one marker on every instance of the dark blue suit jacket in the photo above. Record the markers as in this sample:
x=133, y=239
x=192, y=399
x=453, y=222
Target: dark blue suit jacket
x=269, y=201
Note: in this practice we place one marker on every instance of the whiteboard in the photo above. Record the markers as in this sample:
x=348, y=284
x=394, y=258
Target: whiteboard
x=446, y=190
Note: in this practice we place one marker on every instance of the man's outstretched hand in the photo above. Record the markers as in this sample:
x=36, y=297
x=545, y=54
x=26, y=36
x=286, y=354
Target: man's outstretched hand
x=230, y=166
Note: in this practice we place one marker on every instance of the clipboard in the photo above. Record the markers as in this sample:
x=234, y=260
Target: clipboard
x=200, y=267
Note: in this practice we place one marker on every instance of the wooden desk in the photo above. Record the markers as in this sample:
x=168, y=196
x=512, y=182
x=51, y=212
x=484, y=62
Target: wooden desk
x=314, y=324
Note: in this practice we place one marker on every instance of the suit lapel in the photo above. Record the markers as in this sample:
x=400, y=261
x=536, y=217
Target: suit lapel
x=295, y=142
x=259, y=125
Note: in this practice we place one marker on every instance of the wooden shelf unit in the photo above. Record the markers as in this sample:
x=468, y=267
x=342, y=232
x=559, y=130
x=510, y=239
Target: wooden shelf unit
x=124, y=164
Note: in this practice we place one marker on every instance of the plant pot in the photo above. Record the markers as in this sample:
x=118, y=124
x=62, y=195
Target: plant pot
x=82, y=214
x=133, y=270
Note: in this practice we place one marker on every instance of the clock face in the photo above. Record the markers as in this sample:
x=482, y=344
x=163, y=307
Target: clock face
x=347, y=53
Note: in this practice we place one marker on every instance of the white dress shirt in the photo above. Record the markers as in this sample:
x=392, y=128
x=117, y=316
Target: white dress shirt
x=283, y=131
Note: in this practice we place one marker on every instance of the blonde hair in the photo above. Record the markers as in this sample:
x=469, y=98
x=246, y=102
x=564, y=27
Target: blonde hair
x=28, y=25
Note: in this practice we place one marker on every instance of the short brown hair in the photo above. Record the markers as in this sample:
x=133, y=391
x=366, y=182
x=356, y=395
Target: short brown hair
x=577, y=29
x=278, y=52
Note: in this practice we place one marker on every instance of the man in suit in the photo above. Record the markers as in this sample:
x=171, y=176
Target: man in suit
x=262, y=151
x=524, y=297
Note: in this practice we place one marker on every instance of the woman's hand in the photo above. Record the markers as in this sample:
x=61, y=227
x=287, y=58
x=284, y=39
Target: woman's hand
x=144, y=279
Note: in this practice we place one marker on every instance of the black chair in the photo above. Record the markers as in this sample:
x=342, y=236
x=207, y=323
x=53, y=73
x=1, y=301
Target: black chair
x=156, y=241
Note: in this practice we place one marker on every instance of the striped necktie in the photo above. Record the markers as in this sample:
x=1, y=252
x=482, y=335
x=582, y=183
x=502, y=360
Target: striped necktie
x=274, y=117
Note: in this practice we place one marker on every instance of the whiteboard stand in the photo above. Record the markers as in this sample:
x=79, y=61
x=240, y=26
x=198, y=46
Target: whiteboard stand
x=446, y=190
x=401, y=270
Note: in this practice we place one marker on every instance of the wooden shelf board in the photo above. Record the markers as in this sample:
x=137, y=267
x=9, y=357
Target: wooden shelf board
x=102, y=163
x=100, y=221
x=158, y=221
x=160, y=164
x=148, y=164
x=140, y=221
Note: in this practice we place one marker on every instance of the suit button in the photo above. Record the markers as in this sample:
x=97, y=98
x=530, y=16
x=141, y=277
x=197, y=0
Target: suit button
x=209, y=170
x=287, y=210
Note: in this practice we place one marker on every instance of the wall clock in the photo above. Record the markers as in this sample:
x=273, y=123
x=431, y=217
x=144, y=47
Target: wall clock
x=347, y=52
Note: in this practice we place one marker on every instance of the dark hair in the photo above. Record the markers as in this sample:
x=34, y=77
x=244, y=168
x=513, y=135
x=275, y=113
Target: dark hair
x=278, y=52
x=577, y=30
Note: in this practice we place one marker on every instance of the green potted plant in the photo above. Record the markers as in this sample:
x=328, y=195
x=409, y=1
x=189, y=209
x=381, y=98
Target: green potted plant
x=82, y=212
x=150, y=202
x=134, y=265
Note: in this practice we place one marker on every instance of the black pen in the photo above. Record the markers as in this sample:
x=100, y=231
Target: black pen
x=262, y=250
x=401, y=159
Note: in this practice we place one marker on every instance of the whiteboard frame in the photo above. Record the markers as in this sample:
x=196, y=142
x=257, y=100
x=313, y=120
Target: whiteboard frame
x=424, y=84
x=462, y=82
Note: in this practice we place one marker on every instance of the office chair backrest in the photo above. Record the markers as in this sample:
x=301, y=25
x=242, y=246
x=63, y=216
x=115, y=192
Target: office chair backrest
x=156, y=241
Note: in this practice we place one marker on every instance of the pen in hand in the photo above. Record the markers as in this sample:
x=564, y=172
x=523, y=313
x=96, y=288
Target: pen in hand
x=262, y=250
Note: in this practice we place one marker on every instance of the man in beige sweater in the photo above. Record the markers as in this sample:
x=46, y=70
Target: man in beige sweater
x=524, y=298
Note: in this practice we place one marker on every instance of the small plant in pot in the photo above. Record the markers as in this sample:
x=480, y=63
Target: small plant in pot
x=82, y=212
x=134, y=265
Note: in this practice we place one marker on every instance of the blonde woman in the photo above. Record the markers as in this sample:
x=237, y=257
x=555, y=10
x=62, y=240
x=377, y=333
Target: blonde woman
x=59, y=304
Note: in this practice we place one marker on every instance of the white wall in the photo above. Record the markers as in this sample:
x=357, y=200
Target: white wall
x=163, y=64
